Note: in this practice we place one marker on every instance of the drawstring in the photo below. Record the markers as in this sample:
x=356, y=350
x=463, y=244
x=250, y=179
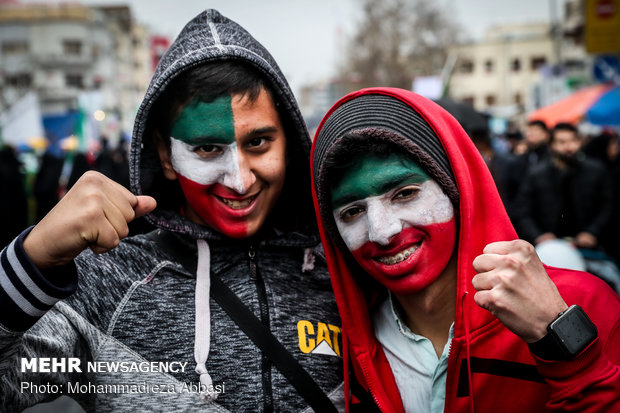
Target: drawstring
x=308, y=264
x=469, y=381
x=203, y=320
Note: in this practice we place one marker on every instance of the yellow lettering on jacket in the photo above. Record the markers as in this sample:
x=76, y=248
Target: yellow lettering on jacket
x=324, y=332
x=305, y=327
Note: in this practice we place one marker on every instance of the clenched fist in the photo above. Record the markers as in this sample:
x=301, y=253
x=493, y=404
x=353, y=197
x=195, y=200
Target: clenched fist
x=513, y=285
x=94, y=213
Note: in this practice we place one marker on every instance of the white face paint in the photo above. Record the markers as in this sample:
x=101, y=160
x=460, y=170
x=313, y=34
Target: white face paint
x=221, y=169
x=383, y=217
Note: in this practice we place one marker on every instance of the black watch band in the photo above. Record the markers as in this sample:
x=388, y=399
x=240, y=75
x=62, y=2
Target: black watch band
x=567, y=336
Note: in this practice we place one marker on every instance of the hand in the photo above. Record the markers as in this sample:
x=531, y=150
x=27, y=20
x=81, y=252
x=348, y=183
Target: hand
x=544, y=237
x=586, y=240
x=514, y=286
x=94, y=213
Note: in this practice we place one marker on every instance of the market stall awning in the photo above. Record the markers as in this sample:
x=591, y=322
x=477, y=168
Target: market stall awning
x=599, y=105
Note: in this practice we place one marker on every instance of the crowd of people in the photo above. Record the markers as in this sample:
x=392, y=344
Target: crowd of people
x=26, y=200
x=374, y=268
x=558, y=184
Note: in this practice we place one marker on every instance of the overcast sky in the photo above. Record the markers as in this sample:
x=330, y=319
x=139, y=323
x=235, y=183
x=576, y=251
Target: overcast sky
x=307, y=36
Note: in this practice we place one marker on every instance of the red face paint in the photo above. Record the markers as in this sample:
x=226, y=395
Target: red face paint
x=209, y=202
x=230, y=187
x=429, y=247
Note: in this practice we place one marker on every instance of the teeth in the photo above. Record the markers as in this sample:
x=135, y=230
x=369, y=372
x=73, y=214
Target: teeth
x=400, y=257
x=234, y=204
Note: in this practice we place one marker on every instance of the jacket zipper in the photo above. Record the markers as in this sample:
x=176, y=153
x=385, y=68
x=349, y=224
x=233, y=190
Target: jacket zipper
x=370, y=384
x=264, y=317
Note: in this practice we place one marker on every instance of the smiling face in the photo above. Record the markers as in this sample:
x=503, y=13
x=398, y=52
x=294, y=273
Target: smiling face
x=229, y=156
x=395, y=220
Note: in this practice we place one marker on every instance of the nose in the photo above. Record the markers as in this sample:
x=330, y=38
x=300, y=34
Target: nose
x=382, y=223
x=239, y=175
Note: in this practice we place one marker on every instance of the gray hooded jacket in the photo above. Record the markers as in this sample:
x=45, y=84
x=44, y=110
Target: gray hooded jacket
x=124, y=338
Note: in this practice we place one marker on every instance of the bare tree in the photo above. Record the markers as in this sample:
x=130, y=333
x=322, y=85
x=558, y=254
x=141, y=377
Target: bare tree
x=396, y=41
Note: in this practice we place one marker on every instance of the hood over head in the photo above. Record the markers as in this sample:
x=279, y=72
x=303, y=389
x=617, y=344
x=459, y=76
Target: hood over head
x=438, y=143
x=211, y=38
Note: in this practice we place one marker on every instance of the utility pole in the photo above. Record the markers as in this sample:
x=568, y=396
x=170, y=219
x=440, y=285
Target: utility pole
x=556, y=36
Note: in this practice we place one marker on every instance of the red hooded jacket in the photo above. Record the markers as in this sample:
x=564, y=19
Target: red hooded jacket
x=490, y=369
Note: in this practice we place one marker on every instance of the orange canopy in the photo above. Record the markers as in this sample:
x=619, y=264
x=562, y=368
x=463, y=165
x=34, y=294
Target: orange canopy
x=570, y=109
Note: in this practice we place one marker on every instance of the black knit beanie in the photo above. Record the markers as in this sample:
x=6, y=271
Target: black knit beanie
x=386, y=119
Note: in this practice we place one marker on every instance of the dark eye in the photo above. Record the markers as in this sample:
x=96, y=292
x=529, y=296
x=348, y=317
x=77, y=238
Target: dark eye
x=207, y=151
x=406, y=193
x=255, y=142
x=349, y=214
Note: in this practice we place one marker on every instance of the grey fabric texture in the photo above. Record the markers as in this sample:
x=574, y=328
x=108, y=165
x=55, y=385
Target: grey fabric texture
x=136, y=302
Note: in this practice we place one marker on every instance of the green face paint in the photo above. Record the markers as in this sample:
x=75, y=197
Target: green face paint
x=202, y=123
x=373, y=175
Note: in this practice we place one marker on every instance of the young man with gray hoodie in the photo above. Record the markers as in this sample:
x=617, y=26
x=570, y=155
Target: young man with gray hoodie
x=220, y=166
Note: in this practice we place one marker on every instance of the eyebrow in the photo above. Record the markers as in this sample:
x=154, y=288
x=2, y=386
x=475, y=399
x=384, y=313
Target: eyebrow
x=207, y=140
x=387, y=186
x=262, y=131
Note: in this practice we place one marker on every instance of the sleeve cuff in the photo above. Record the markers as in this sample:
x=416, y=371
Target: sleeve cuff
x=27, y=293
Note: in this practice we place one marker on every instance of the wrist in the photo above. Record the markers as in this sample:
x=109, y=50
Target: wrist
x=567, y=335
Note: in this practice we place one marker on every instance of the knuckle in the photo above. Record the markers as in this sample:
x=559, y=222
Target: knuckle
x=124, y=232
x=476, y=262
x=91, y=212
x=511, y=261
x=92, y=177
x=509, y=279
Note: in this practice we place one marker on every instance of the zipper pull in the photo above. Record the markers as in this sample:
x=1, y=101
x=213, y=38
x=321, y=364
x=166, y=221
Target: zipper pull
x=252, y=257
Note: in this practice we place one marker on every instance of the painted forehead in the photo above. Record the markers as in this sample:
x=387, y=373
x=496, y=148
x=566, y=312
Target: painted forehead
x=202, y=123
x=372, y=175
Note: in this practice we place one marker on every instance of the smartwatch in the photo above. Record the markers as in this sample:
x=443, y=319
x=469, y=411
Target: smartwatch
x=567, y=335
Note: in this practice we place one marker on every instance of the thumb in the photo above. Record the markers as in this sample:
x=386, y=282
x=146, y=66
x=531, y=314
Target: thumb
x=144, y=205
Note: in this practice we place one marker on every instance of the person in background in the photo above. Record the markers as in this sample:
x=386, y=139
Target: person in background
x=443, y=308
x=606, y=148
x=498, y=163
x=533, y=152
x=13, y=201
x=569, y=195
x=220, y=166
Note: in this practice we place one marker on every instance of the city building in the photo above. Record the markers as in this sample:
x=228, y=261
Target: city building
x=499, y=71
x=83, y=63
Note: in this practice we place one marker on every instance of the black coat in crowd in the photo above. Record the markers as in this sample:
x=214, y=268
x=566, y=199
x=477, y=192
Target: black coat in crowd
x=547, y=193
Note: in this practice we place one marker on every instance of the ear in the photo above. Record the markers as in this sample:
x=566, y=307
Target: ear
x=166, y=165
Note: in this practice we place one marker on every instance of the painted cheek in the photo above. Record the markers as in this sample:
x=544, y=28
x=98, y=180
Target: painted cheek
x=211, y=210
x=427, y=220
x=223, y=169
x=387, y=218
x=422, y=267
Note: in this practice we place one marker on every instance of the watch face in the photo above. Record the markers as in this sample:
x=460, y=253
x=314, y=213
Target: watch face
x=574, y=330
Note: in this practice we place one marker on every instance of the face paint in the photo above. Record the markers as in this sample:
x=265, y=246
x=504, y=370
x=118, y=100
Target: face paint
x=231, y=175
x=396, y=221
x=221, y=167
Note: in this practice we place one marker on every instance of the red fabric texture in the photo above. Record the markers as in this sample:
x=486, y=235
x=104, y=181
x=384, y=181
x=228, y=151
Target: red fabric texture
x=589, y=383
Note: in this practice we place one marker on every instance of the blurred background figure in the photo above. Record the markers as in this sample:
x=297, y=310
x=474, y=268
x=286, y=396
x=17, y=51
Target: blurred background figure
x=13, y=202
x=567, y=195
x=46, y=187
x=531, y=151
x=605, y=148
x=570, y=196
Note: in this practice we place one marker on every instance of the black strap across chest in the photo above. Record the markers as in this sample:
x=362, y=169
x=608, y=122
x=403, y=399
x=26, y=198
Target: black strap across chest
x=264, y=339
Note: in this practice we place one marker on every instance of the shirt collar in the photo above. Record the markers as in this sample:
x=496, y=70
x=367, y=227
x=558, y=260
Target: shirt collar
x=397, y=313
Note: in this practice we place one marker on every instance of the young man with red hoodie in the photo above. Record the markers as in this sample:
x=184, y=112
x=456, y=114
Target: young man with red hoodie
x=442, y=307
